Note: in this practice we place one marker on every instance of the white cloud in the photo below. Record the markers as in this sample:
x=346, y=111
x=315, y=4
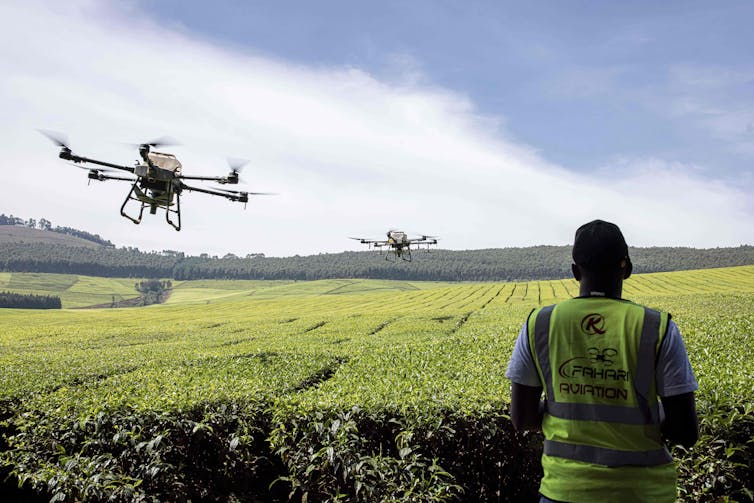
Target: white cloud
x=717, y=100
x=348, y=153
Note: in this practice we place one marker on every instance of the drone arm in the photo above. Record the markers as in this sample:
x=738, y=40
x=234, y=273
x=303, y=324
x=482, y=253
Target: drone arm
x=102, y=177
x=232, y=197
x=67, y=155
x=218, y=179
x=373, y=242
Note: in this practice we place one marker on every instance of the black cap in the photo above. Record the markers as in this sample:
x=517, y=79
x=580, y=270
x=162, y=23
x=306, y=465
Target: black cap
x=599, y=245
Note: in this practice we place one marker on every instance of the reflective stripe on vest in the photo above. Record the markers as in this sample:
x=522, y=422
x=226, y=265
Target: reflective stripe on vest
x=644, y=414
x=607, y=457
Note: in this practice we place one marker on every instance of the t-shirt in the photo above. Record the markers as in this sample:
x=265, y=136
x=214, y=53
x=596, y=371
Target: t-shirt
x=673, y=376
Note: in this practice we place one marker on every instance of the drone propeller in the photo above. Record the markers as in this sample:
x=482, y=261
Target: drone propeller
x=81, y=167
x=236, y=165
x=245, y=192
x=106, y=170
x=97, y=174
x=58, y=139
x=163, y=141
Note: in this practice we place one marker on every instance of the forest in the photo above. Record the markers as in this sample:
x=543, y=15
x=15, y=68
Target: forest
x=29, y=301
x=503, y=264
x=494, y=264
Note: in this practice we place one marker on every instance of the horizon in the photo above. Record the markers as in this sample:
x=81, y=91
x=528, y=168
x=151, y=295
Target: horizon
x=221, y=255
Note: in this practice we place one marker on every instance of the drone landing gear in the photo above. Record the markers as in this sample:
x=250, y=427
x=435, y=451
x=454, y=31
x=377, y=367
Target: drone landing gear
x=129, y=197
x=177, y=209
x=403, y=255
x=136, y=194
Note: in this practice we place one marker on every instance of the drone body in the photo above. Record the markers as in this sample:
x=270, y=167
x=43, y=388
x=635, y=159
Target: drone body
x=398, y=244
x=157, y=180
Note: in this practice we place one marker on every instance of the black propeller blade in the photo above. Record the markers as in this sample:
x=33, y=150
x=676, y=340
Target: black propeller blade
x=58, y=139
x=105, y=170
x=236, y=165
x=163, y=141
x=242, y=192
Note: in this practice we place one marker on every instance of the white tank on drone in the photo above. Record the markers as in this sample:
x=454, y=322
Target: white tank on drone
x=165, y=161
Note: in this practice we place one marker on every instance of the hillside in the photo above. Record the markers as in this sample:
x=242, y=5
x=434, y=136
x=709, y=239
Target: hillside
x=73, y=290
x=84, y=291
x=505, y=264
x=18, y=234
x=38, y=247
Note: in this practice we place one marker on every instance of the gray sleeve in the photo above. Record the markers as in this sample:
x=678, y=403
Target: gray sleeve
x=674, y=373
x=521, y=368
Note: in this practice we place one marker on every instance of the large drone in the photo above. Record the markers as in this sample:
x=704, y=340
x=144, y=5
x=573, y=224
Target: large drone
x=158, y=181
x=399, y=244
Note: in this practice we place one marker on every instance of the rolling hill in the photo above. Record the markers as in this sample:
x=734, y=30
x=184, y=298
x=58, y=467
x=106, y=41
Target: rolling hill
x=18, y=234
x=77, y=291
x=31, y=250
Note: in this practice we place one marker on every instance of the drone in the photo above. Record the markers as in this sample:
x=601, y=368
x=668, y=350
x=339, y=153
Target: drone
x=399, y=244
x=157, y=180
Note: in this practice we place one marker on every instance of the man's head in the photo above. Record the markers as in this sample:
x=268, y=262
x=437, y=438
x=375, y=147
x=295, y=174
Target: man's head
x=599, y=248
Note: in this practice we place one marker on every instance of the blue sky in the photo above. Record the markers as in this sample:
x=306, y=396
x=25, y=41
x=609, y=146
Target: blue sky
x=583, y=82
x=491, y=124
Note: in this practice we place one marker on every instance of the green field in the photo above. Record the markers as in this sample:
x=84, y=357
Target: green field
x=353, y=390
x=73, y=290
x=77, y=291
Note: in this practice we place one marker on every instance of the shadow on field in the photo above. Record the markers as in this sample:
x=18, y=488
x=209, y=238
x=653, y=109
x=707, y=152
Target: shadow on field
x=10, y=492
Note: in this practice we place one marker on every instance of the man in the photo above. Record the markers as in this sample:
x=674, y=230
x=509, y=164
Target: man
x=602, y=363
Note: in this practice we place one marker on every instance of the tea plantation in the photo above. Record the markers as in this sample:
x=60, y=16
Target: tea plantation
x=332, y=390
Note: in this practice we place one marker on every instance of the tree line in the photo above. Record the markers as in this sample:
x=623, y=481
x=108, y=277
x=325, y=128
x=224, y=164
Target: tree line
x=501, y=264
x=29, y=301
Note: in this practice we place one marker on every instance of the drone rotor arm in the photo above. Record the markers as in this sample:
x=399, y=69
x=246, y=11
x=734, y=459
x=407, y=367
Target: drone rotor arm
x=424, y=240
x=67, y=155
x=225, y=194
x=246, y=192
x=61, y=141
x=373, y=242
x=219, y=179
x=109, y=177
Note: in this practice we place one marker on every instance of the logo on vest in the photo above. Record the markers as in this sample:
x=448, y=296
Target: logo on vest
x=594, y=367
x=593, y=324
x=603, y=356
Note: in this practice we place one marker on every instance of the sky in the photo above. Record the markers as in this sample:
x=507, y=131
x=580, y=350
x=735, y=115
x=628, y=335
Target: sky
x=490, y=124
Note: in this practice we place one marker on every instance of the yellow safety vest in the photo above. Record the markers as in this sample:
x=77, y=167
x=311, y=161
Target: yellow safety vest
x=596, y=359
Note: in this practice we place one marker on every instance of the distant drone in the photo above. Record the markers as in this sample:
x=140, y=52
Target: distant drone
x=399, y=244
x=158, y=181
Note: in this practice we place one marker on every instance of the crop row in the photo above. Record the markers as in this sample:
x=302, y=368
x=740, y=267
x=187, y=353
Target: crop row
x=377, y=395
